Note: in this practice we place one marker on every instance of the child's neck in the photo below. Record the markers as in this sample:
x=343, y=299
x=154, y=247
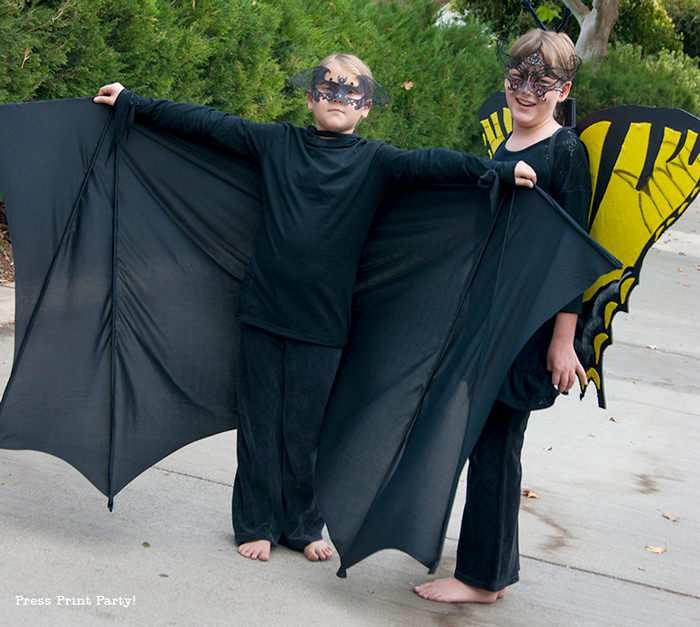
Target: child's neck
x=524, y=137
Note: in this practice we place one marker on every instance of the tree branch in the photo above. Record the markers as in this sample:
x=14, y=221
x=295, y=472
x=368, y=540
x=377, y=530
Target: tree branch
x=578, y=8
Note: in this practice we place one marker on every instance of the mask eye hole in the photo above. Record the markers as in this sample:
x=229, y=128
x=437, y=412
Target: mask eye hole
x=514, y=79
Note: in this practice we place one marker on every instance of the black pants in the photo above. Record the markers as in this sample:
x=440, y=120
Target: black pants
x=487, y=554
x=282, y=394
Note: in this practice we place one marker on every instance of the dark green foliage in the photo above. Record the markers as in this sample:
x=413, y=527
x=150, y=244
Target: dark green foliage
x=627, y=76
x=506, y=17
x=685, y=15
x=237, y=55
x=645, y=23
x=509, y=19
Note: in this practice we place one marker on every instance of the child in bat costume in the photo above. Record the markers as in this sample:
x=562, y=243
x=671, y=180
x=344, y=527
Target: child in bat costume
x=321, y=186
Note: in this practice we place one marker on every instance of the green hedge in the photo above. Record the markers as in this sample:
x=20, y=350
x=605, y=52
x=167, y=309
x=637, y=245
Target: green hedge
x=238, y=55
x=685, y=15
x=647, y=24
x=627, y=76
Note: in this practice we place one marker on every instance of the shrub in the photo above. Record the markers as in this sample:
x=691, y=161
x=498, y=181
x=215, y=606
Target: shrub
x=685, y=15
x=238, y=56
x=503, y=15
x=509, y=19
x=627, y=76
x=645, y=23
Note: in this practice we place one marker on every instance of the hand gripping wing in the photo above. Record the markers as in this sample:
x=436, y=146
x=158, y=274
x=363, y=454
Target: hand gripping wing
x=645, y=171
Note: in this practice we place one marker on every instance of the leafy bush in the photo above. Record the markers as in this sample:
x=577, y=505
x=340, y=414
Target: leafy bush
x=645, y=23
x=238, y=56
x=627, y=76
x=509, y=19
x=502, y=15
x=685, y=15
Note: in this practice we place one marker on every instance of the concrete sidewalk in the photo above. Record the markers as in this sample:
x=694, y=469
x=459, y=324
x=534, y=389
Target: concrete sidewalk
x=605, y=479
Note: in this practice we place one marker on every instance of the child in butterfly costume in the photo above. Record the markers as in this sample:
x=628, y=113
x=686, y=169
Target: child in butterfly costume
x=538, y=76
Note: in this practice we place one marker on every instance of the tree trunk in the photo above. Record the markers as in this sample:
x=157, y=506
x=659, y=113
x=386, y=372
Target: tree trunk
x=596, y=26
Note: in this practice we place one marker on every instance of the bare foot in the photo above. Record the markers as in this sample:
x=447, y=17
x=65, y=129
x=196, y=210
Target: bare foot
x=317, y=550
x=255, y=550
x=451, y=590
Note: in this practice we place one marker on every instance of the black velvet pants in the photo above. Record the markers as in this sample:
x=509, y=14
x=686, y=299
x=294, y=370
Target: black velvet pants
x=487, y=554
x=283, y=389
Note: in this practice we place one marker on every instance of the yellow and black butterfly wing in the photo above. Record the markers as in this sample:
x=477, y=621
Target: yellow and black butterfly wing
x=495, y=120
x=645, y=170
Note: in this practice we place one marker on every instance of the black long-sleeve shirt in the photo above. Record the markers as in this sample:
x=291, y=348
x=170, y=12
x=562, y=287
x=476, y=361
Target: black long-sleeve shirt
x=320, y=191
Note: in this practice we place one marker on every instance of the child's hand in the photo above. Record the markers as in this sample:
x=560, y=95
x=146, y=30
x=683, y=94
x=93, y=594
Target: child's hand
x=564, y=365
x=524, y=175
x=108, y=93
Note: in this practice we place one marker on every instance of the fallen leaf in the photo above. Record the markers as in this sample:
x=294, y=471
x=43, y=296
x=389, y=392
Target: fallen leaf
x=641, y=568
x=681, y=253
x=671, y=517
x=697, y=266
x=681, y=270
x=370, y=591
x=656, y=549
x=652, y=346
x=530, y=494
x=613, y=419
x=549, y=448
x=145, y=545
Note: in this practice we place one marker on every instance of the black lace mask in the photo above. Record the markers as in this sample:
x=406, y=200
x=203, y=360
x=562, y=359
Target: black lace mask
x=532, y=74
x=364, y=92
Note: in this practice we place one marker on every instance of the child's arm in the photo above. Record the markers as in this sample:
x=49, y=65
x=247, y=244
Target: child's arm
x=572, y=190
x=562, y=360
x=439, y=165
x=236, y=134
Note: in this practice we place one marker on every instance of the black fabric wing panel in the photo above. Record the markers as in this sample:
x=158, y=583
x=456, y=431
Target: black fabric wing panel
x=43, y=165
x=60, y=220
x=128, y=352
x=388, y=469
x=420, y=255
x=186, y=221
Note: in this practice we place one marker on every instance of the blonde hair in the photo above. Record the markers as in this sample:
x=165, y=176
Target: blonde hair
x=557, y=49
x=349, y=61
